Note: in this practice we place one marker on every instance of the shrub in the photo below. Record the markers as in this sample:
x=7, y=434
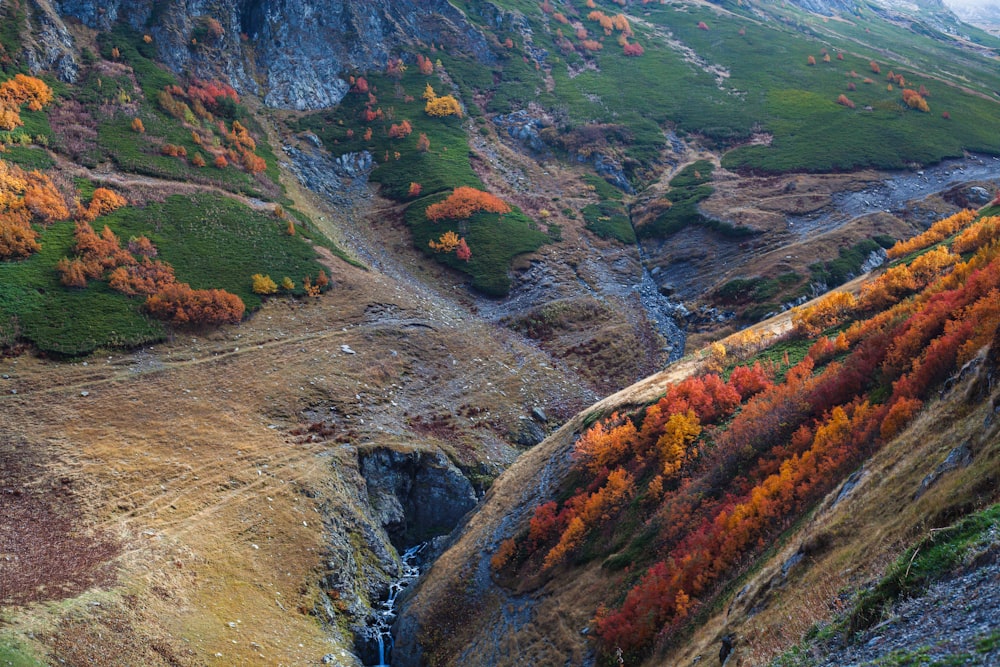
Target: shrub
x=181, y=305
x=263, y=284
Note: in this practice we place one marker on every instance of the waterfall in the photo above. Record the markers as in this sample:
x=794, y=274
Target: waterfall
x=381, y=630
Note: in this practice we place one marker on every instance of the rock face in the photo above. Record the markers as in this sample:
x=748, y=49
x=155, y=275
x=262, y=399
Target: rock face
x=415, y=495
x=295, y=54
x=50, y=46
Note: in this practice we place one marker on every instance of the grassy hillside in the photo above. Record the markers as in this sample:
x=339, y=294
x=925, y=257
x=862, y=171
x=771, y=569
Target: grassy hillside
x=725, y=73
x=663, y=508
x=365, y=121
x=177, y=135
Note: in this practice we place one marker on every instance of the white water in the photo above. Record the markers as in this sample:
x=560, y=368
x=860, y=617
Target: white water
x=381, y=631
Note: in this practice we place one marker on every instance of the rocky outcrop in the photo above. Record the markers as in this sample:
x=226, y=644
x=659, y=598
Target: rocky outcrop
x=50, y=46
x=415, y=495
x=294, y=54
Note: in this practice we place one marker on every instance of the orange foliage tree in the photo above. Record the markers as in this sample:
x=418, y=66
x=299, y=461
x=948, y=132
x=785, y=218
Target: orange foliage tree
x=400, y=130
x=20, y=91
x=447, y=242
x=145, y=277
x=845, y=101
x=605, y=443
x=915, y=100
x=618, y=489
x=181, y=305
x=25, y=197
x=937, y=232
x=446, y=105
x=464, y=202
x=103, y=201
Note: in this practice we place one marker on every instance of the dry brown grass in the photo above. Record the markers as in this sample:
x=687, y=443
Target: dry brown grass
x=182, y=457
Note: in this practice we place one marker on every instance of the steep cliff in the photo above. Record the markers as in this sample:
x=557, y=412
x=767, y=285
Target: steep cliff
x=294, y=54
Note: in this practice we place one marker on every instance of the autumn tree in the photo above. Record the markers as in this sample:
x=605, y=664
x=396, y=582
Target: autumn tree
x=606, y=443
x=462, y=251
x=42, y=198
x=937, y=232
x=22, y=90
x=262, y=284
x=102, y=202
x=400, y=130
x=677, y=435
x=915, y=100
x=145, y=277
x=845, y=101
x=443, y=106
x=617, y=490
x=137, y=125
x=463, y=202
x=633, y=49
x=447, y=243
x=181, y=305
x=424, y=65
x=414, y=190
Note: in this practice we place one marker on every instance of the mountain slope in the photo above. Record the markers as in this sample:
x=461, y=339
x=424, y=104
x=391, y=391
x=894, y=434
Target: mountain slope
x=637, y=529
x=227, y=492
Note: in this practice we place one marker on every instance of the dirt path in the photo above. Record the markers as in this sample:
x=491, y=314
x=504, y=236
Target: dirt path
x=160, y=185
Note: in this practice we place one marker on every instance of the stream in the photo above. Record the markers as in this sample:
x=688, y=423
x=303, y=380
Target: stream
x=897, y=190
x=664, y=312
x=381, y=631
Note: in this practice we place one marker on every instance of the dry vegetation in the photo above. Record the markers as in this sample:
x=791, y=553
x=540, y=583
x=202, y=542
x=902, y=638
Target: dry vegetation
x=188, y=513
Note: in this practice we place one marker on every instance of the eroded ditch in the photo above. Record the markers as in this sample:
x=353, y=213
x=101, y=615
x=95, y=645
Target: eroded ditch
x=415, y=499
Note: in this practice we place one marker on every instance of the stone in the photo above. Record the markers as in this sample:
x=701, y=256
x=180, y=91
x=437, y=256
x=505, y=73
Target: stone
x=960, y=457
x=539, y=414
x=527, y=434
x=979, y=195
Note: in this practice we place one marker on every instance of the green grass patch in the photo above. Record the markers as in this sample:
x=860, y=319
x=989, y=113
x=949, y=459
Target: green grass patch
x=687, y=189
x=13, y=19
x=14, y=654
x=36, y=308
x=210, y=240
x=494, y=240
x=768, y=85
x=213, y=241
x=603, y=189
x=609, y=219
x=28, y=157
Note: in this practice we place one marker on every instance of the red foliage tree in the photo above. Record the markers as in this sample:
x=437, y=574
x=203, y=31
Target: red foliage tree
x=633, y=49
